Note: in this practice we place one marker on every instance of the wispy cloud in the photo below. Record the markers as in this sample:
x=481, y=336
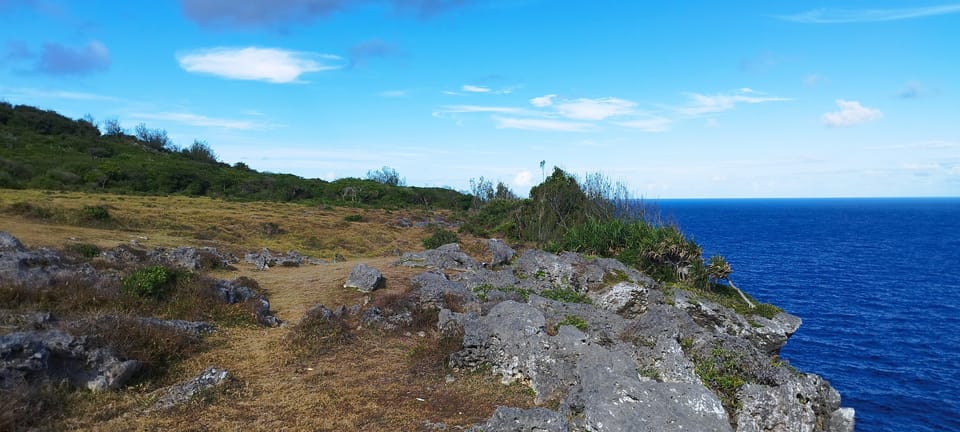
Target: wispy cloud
x=257, y=64
x=57, y=59
x=281, y=13
x=543, y=101
x=595, y=109
x=395, y=93
x=844, y=16
x=919, y=145
x=700, y=104
x=475, y=89
x=912, y=90
x=851, y=113
x=536, y=124
x=203, y=121
x=481, y=109
x=651, y=124
x=32, y=93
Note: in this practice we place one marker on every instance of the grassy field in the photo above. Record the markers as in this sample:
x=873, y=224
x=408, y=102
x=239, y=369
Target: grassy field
x=380, y=381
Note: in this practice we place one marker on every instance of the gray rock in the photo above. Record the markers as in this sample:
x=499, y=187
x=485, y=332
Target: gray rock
x=506, y=419
x=364, y=278
x=500, y=253
x=9, y=242
x=196, y=328
x=624, y=298
x=264, y=259
x=798, y=405
x=433, y=290
x=192, y=259
x=181, y=393
x=53, y=356
x=842, y=420
x=232, y=292
x=448, y=256
x=42, y=268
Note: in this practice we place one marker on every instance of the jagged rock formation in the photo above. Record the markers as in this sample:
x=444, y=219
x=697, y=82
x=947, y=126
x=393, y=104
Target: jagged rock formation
x=54, y=356
x=264, y=259
x=634, y=357
x=181, y=393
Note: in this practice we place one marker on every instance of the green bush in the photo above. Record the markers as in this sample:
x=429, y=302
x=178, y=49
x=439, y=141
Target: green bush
x=151, y=282
x=353, y=218
x=95, y=213
x=440, y=238
x=85, y=250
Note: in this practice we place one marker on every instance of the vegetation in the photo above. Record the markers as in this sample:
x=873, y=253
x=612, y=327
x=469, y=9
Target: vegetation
x=439, y=238
x=573, y=320
x=149, y=282
x=45, y=150
x=723, y=372
x=566, y=295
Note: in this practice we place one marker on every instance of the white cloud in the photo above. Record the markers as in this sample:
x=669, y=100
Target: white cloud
x=481, y=109
x=394, y=93
x=541, y=124
x=523, y=180
x=595, y=109
x=844, y=16
x=709, y=104
x=54, y=94
x=543, y=101
x=257, y=64
x=814, y=80
x=652, y=124
x=475, y=89
x=200, y=120
x=851, y=113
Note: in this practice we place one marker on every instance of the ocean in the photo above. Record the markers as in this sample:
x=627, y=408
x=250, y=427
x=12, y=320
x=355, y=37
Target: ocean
x=876, y=282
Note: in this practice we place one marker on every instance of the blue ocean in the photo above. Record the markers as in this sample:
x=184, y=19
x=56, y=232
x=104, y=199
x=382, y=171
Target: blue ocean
x=876, y=282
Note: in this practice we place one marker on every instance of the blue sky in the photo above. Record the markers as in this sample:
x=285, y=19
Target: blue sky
x=676, y=99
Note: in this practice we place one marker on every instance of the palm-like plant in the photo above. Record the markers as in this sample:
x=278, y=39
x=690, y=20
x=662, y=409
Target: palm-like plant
x=718, y=269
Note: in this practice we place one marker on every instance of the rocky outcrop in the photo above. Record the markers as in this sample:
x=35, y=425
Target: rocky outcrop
x=364, y=278
x=181, y=393
x=448, y=256
x=234, y=291
x=54, y=356
x=264, y=259
x=190, y=258
x=500, y=253
x=630, y=361
x=40, y=268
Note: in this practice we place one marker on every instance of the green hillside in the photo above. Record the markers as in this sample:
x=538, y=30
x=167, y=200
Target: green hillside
x=45, y=150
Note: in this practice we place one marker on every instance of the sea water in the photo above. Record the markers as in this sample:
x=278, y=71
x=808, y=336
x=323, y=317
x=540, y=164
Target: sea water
x=876, y=282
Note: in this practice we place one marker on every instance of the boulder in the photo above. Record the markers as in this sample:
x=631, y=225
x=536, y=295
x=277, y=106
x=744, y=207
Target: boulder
x=233, y=291
x=54, y=356
x=500, y=253
x=264, y=259
x=448, y=256
x=364, y=278
x=181, y=393
x=40, y=268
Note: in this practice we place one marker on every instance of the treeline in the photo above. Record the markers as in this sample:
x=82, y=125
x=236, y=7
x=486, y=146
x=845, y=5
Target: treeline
x=45, y=150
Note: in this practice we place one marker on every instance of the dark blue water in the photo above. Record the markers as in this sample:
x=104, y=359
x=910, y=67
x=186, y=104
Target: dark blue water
x=877, y=283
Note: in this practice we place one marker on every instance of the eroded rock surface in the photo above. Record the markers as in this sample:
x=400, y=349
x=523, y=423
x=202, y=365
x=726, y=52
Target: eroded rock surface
x=364, y=278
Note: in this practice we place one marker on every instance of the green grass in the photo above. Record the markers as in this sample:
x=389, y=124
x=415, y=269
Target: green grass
x=573, y=320
x=723, y=372
x=566, y=295
x=439, y=238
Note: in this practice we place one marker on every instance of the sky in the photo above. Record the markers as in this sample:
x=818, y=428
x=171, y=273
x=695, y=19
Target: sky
x=693, y=99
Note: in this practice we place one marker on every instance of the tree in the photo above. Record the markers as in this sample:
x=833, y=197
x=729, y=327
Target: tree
x=718, y=269
x=153, y=138
x=200, y=151
x=387, y=176
x=111, y=127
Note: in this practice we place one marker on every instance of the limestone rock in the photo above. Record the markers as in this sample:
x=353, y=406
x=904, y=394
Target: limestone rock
x=183, y=392
x=500, y=253
x=364, y=278
x=506, y=419
x=448, y=256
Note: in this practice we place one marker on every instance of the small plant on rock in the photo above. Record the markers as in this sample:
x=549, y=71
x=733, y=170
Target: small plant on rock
x=152, y=282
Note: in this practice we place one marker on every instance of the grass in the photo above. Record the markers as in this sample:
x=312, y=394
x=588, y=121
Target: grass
x=483, y=291
x=573, y=320
x=566, y=295
x=722, y=371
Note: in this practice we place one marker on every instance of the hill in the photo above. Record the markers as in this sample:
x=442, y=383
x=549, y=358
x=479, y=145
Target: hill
x=45, y=150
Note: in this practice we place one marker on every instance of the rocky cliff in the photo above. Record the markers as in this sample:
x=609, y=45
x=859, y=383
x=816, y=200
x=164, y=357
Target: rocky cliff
x=605, y=348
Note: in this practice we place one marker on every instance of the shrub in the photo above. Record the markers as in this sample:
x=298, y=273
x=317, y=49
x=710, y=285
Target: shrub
x=353, y=218
x=440, y=238
x=85, y=250
x=723, y=372
x=95, y=213
x=150, y=282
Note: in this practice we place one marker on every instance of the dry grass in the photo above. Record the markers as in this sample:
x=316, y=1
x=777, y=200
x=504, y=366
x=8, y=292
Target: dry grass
x=381, y=381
